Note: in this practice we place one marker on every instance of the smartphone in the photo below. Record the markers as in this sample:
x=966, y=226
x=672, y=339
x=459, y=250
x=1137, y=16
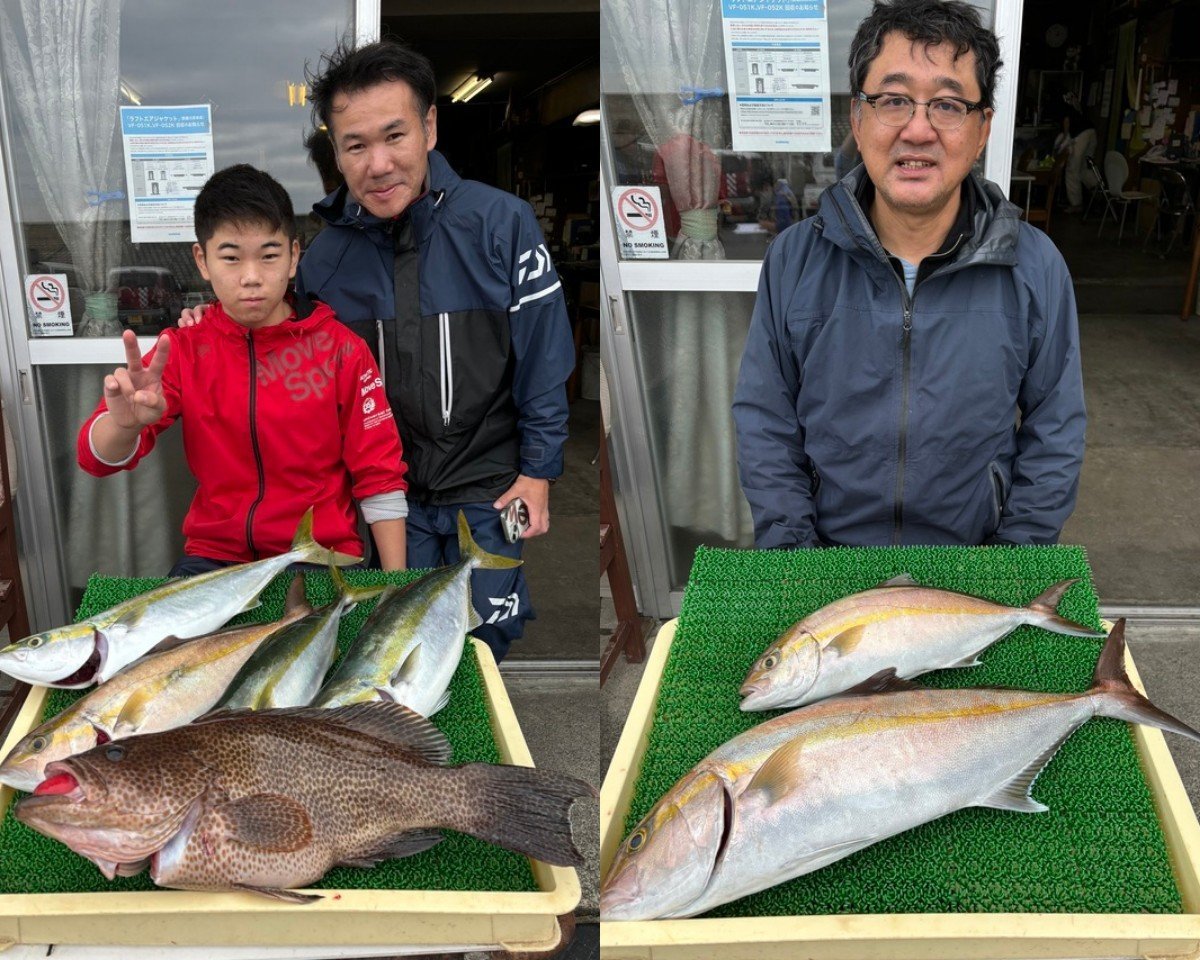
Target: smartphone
x=515, y=519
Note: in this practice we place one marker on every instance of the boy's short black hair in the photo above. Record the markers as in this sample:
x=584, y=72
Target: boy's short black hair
x=930, y=23
x=242, y=195
x=345, y=69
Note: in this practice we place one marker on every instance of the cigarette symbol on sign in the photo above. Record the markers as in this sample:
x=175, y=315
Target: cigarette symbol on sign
x=643, y=208
x=47, y=294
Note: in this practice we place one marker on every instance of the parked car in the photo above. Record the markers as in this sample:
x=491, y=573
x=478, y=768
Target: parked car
x=148, y=298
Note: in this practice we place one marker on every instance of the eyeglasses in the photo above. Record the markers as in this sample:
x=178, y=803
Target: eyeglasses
x=896, y=110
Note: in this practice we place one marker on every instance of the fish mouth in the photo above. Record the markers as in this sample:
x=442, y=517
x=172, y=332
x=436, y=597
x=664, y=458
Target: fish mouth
x=754, y=695
x=15, y=660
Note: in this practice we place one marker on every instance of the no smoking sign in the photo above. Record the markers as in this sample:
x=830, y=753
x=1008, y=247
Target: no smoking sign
x=48, y=304
x=640, y=223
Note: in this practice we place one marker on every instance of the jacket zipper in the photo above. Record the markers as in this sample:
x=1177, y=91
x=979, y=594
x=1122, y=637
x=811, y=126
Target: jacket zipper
x=262, y=479
x=447, y=367
x=902, y=442
x=905, y=386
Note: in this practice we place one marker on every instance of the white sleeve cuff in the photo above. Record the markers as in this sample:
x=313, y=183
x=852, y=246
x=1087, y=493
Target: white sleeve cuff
x=96, y=454
x=384, y=506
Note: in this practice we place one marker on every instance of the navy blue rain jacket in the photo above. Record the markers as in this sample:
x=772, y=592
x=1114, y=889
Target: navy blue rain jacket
x=866, y=417
x=465, y=314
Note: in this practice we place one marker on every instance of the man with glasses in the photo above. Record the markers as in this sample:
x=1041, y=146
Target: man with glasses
x=912, y=369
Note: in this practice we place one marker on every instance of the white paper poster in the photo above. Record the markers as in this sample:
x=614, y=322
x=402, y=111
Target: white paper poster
x=168, y=157
x=48, y=304
x=640, y=228
x=777, y=62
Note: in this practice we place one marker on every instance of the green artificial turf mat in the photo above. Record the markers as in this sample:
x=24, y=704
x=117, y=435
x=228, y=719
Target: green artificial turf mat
x=32, y=863
x=1100, y=849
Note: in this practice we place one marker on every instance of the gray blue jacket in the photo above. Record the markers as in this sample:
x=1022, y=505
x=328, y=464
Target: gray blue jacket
x=866, y=416
x=463, y=309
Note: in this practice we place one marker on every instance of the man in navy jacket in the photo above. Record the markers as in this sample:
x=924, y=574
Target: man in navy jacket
x=450, y=282
x=912, y=370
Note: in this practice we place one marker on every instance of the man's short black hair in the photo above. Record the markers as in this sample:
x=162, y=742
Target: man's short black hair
x=930, y=23
x=243, y=195
x=345, y=69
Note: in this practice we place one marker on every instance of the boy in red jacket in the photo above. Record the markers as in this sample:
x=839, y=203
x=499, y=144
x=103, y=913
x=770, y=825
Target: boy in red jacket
x=282, y=406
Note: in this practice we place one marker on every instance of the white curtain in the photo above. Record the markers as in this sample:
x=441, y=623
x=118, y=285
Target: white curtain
x=61, y=61
x=670, y=52
x=61, y=64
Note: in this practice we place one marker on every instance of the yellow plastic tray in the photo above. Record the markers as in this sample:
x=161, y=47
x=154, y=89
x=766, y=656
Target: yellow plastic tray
x=525, y=922
x=904, y=936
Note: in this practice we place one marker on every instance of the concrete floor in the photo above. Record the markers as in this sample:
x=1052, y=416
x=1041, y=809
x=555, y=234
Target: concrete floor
x=561, y=565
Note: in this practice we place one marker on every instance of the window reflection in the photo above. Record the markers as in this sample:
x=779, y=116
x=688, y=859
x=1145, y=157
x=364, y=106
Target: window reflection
x=66, y=151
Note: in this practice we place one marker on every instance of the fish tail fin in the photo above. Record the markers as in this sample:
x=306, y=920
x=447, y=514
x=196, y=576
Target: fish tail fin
x=350, y=594
x=311, y=551
x=480, y=558
x=297, y=597
x=1117, y=696
x=524, y=809
x=1045, y=606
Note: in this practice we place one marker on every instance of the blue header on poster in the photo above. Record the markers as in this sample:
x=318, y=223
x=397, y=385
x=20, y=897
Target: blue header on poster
x=773, y=9
x=142, y=121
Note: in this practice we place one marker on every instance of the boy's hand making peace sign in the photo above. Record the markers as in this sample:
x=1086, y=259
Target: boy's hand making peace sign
x=133, y=393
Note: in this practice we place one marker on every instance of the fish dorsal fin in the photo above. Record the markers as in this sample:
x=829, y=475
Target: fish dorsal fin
x=134, y=713
x=268, y=822
x=296, y=599
x=1014, y=795
x=390, y=722
x=168, y=643
x=900, y=580
x=885, y=681
x=781, y=773
x=845, y=642
x=1048, y=600
x=395, y=723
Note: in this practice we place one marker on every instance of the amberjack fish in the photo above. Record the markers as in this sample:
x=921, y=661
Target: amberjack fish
x=287, y=670
x=410, y=646
x=810, y=787
x=178, y=681
x=95, y=649
x=269, y=800
x=899, y=624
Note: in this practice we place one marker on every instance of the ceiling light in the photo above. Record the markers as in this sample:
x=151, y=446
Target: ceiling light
x=586, y=118
x=470, y=87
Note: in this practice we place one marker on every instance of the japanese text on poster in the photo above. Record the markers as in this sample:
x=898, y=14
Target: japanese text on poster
x=777, y=61
x=168, y=157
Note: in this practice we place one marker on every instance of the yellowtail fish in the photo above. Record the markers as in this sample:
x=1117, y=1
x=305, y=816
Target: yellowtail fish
x=810, y=787
x=95, y=649
x=177, y=682
x=288, y=669
x=411, y=644
x=899, y=625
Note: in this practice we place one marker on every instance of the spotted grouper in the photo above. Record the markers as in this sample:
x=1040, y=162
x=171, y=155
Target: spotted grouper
x=271, y=800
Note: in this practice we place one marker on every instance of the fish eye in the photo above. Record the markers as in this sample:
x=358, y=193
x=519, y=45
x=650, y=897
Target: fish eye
x=115, y=752
x=35, y=642
x=771, y=660
x=637, y=839
x=38, y=744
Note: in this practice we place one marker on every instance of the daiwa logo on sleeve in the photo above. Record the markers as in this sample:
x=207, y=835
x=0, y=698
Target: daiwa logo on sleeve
x=542, y=265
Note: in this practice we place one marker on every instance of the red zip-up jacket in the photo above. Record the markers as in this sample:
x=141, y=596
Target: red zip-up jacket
x=310, y=426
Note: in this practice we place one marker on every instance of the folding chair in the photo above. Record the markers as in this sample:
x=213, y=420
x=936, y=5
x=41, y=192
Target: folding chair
x=1116, y=172
x=1175, y=204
